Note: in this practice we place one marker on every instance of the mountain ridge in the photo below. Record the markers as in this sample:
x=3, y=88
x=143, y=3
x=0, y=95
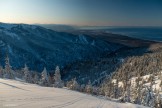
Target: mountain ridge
x=39, y=47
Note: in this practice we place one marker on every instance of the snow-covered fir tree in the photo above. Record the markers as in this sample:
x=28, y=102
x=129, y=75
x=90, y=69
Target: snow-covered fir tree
x=89, y=87
x=73, y=84
x=95, y=90
x=158, y=103
x=136, y=91
x=57, y=78
x=116, y=87
x=44, y=79
x=82, y=87
x=148, y=98
x=8, y=72
x=69, y=84
x=27, y=74
x=36, y=78
x=1, y=72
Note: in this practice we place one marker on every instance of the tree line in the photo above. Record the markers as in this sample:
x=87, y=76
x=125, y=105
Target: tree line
x=43, y=78
x=125, y=84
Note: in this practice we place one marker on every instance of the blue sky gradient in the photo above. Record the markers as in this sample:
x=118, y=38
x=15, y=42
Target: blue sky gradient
x=83, y=12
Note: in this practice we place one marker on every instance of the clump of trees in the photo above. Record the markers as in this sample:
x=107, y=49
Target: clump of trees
x=43, y=79
x=127, y=83
x=133, y=90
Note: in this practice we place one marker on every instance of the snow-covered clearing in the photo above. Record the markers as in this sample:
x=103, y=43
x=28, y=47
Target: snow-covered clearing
x=15, y=94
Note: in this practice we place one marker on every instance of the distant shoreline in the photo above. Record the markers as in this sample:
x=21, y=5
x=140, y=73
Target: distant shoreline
x=151, y=33
x=140, y=38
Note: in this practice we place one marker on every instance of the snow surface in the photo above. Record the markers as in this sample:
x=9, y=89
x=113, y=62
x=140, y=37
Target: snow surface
x=16, y=94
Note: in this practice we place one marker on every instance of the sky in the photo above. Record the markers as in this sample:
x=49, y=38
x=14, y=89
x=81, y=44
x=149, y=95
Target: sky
x=83, y=12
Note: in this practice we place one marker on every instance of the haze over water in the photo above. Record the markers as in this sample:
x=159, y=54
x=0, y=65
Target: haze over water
x=146, y=33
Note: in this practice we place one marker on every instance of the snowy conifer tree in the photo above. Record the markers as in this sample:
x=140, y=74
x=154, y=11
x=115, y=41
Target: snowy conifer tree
x=136, y=91
x=27, y=76
x=44, y=80
x=8, y=71
x=89, y=87
x=50, y=79
x=110, y=88
x=82, y=87
x=1, y=72
x=75, y=85
x=95, y=90
x=57, y=78
x=148, y=98
x=127, y=92
x=36, y=78
x=116, y=87
x=157, y=100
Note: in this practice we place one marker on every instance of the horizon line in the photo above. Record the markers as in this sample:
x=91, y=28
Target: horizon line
x=84, y=25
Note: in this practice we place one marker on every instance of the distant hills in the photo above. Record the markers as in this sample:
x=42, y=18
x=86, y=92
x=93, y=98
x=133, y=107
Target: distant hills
x=39, y=47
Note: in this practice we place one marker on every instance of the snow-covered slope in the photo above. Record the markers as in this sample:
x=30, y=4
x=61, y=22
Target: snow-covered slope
x=39, y=47
x=15, y=94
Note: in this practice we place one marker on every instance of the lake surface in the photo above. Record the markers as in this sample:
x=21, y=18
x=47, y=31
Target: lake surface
x=147, y=33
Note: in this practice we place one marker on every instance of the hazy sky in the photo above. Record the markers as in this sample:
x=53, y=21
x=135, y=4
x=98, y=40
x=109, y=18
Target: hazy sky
x=83, y=12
